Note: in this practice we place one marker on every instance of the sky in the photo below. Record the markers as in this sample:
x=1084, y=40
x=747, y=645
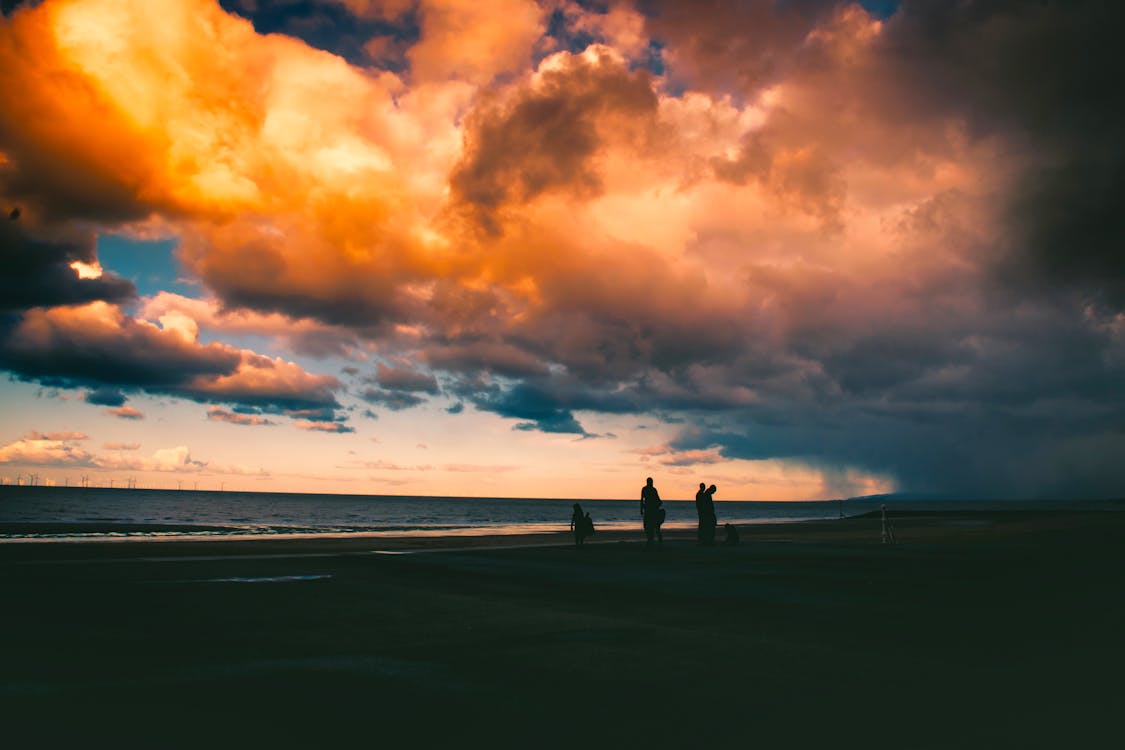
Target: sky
x=800, y=249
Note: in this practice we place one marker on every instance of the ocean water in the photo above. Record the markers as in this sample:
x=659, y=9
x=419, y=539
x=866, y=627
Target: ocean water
x=28, y=513
x=40, y=513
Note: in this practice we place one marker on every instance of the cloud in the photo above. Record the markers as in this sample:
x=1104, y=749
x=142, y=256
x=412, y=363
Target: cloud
x=399, y=387
x=405, y=379
x=40, y=271
x=334, y=427
x=62, y=435
x=492, y=356
x=305, y=336
x=478, y=468
x=121, y=446
x=219, y=414
x=544, y=136
x=58, y=450
x=669, y=456
x=473, y=41
x=41, y=450
x=105, y=396
x=98, y=345
x=869, y=245
x=546, y=410
x=125, y=412
x=393, y=400
x=382, y=465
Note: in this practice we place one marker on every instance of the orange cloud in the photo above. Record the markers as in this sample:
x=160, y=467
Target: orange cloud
x=40, y=450
x=475, y=41
x=125, y=412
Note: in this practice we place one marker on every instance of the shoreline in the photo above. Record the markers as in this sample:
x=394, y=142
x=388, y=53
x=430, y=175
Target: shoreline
x=912, y=527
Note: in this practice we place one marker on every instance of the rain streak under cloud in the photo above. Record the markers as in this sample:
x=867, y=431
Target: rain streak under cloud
x=837, y=247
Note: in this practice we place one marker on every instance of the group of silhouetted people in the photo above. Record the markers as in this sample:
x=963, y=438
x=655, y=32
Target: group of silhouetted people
x=705, y=509
x=653, y=514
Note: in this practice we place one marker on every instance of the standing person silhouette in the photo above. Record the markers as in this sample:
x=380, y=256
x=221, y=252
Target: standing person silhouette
x=652, y=512
x=705, y=504
x=578, y=524
x=701, y=502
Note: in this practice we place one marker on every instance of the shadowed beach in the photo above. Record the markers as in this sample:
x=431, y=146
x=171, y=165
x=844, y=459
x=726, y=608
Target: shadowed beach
x=976, y=630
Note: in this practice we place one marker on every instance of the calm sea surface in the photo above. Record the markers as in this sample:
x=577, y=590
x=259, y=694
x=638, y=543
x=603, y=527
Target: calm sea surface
x=30, y=513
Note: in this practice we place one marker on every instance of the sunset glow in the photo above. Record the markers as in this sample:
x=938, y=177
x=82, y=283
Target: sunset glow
x=546, y=249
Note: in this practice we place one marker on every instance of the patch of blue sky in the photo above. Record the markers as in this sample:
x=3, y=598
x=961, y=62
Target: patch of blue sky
x=150, y=264
x=331, y=27
x=880, y=8
x=877, y=8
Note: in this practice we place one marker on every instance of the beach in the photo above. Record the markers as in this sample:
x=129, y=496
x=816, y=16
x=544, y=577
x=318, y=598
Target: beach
x=975, y=630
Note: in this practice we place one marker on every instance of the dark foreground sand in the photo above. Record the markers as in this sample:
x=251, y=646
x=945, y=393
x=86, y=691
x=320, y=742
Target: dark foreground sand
x=975, y=631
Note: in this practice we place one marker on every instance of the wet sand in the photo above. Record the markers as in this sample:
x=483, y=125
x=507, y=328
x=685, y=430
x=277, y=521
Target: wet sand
x=976, y=630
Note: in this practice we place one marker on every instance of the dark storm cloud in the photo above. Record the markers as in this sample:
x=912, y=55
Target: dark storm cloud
x=1049, y=72
x=1057, y=453
x=542, y=407
x=105, y=396
x=538, y=406
x=37, y=272
x=546, y=404
x=1029, y=405
x=1043, y=75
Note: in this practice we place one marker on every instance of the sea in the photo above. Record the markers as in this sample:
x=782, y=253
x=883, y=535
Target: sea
x=37, y=513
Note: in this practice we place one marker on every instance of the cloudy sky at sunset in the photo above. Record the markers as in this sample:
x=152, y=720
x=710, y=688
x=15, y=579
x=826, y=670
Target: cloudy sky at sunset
x=800, y=249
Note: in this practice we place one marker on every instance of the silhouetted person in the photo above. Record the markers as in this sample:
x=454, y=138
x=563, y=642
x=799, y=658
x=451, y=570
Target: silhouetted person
x=652, y=512
x=888, y=529
x=732, y=534
x=700, y=502
x=588, y=525
x=705, y=509
x=578, y=524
